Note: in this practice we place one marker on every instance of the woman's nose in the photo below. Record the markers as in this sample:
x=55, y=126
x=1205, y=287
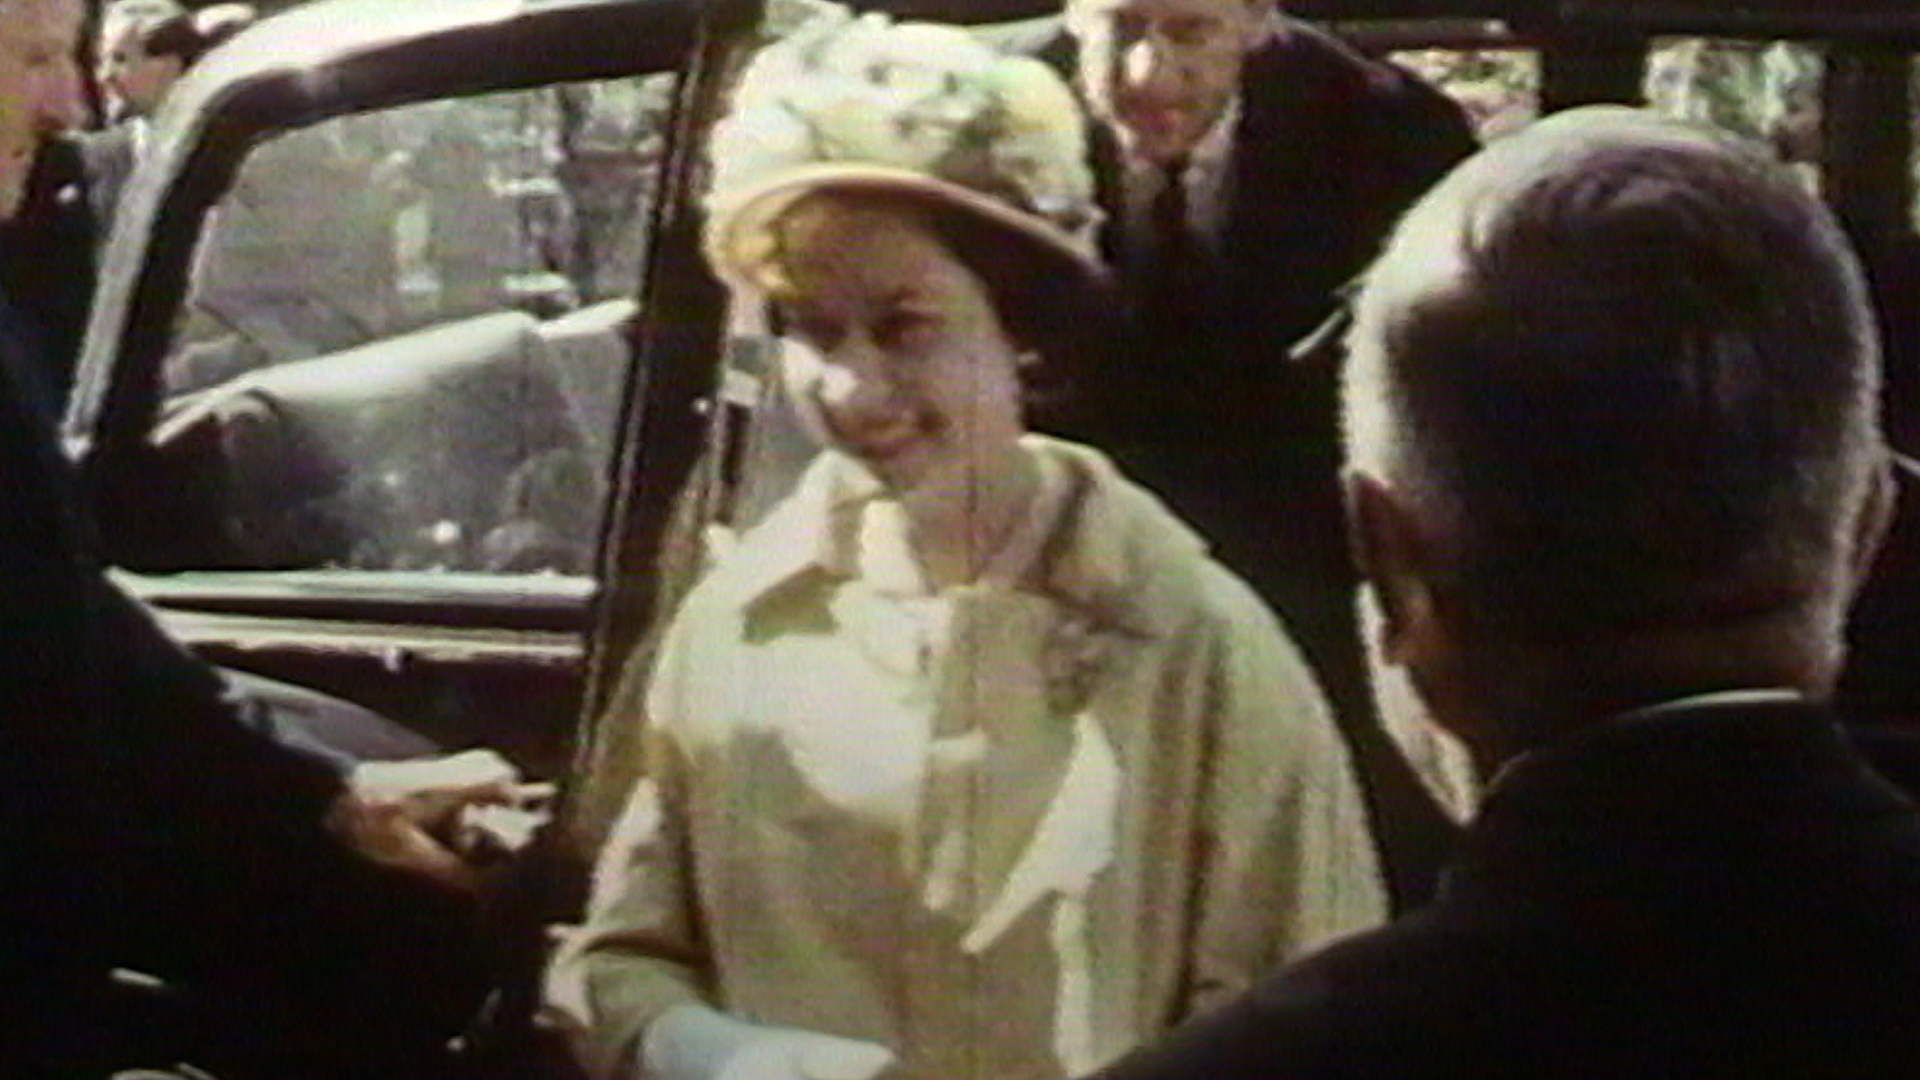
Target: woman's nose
x=1145, y=64
x=854, y=383
x=850, y=382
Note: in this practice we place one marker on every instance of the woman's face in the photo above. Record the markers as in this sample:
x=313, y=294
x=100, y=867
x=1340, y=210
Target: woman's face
x=896, y=343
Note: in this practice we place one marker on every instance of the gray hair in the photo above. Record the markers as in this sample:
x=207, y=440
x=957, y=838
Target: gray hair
x=1628, y=370
x=119, y=15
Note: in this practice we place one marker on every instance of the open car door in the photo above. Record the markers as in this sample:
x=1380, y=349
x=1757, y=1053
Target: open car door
x=370, y=351
x=397, y=366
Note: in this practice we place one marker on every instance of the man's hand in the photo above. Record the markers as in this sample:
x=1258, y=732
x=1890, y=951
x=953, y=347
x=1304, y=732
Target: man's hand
x=434, y=790
x=384, y=833
x=427, y=815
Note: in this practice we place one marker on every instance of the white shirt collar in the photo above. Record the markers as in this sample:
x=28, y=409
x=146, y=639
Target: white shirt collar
x=140, y=132
x=1209, y=172
x=1716, y=699
x=1116, y=531
x=1208, y=179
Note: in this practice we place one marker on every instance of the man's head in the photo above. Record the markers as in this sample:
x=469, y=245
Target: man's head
x=39, y=85
x=1612, y=425
x=1162, y=72
x=135, y=78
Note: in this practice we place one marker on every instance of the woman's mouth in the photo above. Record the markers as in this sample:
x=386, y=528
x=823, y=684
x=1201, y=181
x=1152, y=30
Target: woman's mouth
x=890, y=441
x=1156, y=122
x=881, y=440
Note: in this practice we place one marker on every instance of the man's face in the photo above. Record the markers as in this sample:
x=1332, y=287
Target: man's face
x=39, y=85
x=1162, y=71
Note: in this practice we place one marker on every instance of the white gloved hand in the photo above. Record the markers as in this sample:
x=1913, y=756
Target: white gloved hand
x=694, y=1042
x=790, y=1054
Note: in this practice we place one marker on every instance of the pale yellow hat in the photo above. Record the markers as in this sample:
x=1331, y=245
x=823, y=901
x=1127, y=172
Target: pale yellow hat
x=863, y=103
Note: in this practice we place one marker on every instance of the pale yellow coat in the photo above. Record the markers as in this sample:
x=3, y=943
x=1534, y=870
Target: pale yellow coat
x=1113, y=796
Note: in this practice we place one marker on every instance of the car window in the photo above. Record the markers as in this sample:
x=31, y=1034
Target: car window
x=1499, y=87
x=410, y=326
x=1765, y=90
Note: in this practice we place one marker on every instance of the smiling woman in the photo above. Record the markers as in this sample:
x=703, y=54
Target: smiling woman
x=903, y=364
x=967, y=761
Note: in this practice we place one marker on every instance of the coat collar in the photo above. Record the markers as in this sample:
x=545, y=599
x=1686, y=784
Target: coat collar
x=1696, y=794
x=1116, y=556
x=1693, y=709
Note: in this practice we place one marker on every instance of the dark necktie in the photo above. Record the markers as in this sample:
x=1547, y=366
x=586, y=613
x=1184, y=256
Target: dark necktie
x=1174, y=283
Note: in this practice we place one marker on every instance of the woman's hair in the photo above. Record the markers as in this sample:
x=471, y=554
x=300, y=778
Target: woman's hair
x=1046, y=301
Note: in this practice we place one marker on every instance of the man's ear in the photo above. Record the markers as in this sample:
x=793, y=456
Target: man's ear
x=1393, y=554
x=1876, y=518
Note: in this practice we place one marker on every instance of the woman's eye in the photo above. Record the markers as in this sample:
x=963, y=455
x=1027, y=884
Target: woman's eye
x=1192, y=33
x=903, y=329
x=816, y=333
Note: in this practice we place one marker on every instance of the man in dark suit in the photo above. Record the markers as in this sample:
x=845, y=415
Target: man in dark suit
x=1617, y=473
x=134, y=79
x=301, y=926
x=48, y=272
x=1249, y=166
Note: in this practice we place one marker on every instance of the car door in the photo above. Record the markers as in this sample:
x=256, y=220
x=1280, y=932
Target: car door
x=384, y=332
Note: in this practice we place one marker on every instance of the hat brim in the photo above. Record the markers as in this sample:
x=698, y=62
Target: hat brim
x=739, y=227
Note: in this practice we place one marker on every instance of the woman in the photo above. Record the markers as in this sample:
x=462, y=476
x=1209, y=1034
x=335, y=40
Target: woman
x=967, y=761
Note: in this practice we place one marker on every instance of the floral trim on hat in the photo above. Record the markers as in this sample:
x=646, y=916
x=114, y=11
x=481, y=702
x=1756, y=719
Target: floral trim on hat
x=931, y=101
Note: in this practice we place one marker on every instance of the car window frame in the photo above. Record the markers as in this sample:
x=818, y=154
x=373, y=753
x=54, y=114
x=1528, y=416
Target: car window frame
x=282, y=77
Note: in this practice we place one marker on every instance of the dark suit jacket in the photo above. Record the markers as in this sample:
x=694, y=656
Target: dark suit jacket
x=1242, y=441
x=142, y=826
x=48, y=273
x=1331, y=147
x=1881, y=684
x=1725, y=893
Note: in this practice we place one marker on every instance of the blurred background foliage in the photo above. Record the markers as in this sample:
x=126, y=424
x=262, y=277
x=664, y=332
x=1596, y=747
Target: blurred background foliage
x=1758, y=89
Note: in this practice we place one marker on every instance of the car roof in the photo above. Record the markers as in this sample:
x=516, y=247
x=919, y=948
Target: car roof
x=332, y=57
x=324, y=56
x=313, y=35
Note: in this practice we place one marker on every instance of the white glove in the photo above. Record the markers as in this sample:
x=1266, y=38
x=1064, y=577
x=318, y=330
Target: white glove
x=791, y=1054
x=693, y=1042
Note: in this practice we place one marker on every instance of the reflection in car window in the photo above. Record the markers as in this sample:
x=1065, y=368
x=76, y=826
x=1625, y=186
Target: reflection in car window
x=1763, y=90
x=408, y=328
x=1499, y=88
